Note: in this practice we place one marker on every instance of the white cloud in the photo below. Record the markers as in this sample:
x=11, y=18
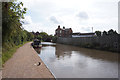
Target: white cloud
x=55, y=20
x=27, y=20
x=46, y=15
x=31, y=26
x=83, y=16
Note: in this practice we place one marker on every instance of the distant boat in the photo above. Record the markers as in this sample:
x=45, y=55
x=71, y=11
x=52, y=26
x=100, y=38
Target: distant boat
x=36, y=43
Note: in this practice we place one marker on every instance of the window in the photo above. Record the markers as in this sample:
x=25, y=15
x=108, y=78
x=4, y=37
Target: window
x=60, y=31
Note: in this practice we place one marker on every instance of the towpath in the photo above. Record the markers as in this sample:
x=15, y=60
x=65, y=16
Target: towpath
x=22, y=65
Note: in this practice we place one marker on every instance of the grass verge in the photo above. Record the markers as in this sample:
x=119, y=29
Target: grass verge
x=0, y=57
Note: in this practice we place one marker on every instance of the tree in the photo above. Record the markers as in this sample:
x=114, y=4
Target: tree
x=54, y=39
x=11, y=14
x=44, y=36
x=115, y=32
x=111, y=32
x=12, y=32
x=104, y=33
x=98, y=33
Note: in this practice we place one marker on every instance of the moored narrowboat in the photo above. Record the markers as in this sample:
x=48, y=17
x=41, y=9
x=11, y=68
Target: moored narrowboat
x=36, y=43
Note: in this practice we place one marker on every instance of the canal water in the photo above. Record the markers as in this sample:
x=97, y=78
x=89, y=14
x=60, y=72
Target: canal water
x=66, y=61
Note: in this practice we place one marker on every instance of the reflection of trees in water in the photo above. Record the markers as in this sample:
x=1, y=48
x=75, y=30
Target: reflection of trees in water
x=66, y=50
x=63, y=51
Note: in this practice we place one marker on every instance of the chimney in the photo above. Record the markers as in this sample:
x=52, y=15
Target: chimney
x=58, y=26
x=63, y=27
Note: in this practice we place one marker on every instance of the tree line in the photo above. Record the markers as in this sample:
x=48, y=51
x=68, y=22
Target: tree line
x=13, y=33
x=105, y=33
x=43, y=36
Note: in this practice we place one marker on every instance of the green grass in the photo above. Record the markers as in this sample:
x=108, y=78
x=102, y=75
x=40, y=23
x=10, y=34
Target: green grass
x=9, y=53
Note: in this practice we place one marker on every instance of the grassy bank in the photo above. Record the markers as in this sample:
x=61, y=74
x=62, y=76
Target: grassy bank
x=8, y=54
x=0, y=58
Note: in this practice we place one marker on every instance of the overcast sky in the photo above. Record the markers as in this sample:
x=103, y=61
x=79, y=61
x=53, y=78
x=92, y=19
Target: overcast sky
x=80, y=15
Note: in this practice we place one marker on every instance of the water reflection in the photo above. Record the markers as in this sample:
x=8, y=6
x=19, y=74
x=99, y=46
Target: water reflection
x=66, y=50
x=74, y=62
x=62, y=51
x=38, y=50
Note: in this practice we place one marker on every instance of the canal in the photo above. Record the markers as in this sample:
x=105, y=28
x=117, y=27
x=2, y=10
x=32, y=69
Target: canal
x=66, y=61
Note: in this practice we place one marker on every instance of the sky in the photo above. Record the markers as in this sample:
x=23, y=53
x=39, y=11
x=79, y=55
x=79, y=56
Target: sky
x=80, y=15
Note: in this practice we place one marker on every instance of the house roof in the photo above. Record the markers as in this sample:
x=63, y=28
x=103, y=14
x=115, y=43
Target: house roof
x=83, y=33
x=58, y=28
x=76, y=33
x=66, y=29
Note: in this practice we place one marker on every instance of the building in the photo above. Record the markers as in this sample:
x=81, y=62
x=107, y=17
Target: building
x=63, y=32
x=83, y=34
x=67, y=32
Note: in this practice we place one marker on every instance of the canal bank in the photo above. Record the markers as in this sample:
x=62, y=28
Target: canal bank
x=107, y=43
x=23, y=64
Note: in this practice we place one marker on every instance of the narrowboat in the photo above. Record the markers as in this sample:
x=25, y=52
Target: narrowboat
x=36, y=43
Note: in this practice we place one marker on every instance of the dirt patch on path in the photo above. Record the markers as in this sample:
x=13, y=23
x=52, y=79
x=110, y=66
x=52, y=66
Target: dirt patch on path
x=22, y=65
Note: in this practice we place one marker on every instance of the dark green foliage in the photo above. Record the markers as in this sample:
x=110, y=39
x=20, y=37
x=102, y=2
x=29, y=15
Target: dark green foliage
x=54, y=39
x=43, y=36
x=11, y=24
x=104, y=33
x=11, y=15
x=12, y=33
x=112, y=32
x=98, y=33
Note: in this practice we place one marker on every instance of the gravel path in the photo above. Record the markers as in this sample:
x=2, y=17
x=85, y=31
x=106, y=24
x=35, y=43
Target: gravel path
x=22, y=65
